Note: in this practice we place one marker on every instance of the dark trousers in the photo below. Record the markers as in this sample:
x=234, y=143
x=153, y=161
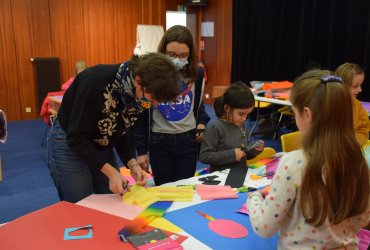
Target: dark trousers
x=72, y=176
x=173, y=156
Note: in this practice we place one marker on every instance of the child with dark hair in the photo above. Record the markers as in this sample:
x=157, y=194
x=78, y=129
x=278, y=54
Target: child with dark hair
x=226, y=142
x=319, y=196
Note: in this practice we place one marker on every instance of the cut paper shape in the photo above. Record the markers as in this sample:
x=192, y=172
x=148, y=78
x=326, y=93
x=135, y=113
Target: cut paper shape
x=226, y=228
x=212, y=192
x=272, y=166
x=180, y=193
x=139, y=196
x=267, y=189
x=201, y=171
x=210, y=180
x=68, y=231
x=236, y=176
x=111, y=204
x=144, y=197
x=162, y=223
x=260, y=176
x=44, y=229
x=263, y=162
x=127, y=174
x=261, y=182
x=157, y=209
x=243, y=210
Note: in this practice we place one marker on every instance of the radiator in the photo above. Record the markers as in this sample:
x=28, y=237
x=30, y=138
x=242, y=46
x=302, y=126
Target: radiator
x=47, y=72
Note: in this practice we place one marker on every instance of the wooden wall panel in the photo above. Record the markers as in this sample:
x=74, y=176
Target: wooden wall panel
x=125, y=29
x=9, y=97
x=97, y=31
x=218, y=49
x=98, y=20
x=92, y=30
x=67, y=36
x=32, y=39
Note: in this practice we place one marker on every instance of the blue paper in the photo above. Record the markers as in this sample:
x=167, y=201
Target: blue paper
x=67, y=232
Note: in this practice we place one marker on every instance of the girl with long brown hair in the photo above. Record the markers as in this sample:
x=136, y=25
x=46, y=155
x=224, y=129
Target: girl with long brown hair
x=319, y=196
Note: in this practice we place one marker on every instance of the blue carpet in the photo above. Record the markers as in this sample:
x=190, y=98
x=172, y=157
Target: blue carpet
x=27, y=185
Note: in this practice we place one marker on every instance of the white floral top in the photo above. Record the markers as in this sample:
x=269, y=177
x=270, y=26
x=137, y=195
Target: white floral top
x=279, y=211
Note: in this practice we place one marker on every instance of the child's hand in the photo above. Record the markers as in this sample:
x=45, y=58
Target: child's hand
x=260, y=146
x=239, y=154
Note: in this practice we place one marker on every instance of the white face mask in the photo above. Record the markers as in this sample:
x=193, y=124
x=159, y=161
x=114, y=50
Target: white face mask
x=180, y=64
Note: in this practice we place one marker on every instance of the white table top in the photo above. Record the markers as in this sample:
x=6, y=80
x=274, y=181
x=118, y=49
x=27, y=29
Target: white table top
x=272, y=100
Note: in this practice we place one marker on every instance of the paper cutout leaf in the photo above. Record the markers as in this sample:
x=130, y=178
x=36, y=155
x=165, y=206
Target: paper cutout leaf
x=228, y=228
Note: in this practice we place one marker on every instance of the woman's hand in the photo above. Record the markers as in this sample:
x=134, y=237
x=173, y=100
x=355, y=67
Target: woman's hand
x=199, y=136
x=117, y=183
x=239, y=154
x=143, y=161
x=137, y=172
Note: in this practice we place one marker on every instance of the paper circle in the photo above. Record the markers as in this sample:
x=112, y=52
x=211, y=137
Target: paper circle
x=228, y=228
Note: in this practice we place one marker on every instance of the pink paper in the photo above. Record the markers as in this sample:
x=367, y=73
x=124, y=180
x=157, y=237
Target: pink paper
x=243, y=210
x=126, y=173
x=364, y=239
x=214, y=192
x=111, y=204
x=271, y=167
x=228, y=228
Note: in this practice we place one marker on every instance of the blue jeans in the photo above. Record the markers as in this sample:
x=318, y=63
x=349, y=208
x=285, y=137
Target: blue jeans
x=72, y=176
x=173, y=156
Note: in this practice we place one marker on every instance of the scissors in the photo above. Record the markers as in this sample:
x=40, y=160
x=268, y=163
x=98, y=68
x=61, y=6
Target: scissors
x=125, y=185
x=146, y=169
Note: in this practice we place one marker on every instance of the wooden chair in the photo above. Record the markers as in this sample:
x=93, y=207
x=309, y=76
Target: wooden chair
x=367, y=144
x=267, y=152
x=291, y=141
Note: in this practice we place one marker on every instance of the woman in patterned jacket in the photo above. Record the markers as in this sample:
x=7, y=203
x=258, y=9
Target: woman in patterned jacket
x=96, y=116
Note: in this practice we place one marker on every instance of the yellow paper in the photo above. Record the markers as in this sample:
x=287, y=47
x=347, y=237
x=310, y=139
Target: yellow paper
x=144, y=197
x=140, y=197
x=183, y=193
x=164, y=224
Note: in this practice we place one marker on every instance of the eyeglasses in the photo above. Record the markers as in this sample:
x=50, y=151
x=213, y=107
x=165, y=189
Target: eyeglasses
x=173, y=55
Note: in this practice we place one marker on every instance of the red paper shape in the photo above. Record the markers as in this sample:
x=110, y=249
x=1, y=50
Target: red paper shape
x=44, y=229
x=228, y=228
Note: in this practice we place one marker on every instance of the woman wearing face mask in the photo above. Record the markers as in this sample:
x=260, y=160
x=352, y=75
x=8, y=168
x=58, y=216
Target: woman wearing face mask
x=96, y=116
x=172, y=132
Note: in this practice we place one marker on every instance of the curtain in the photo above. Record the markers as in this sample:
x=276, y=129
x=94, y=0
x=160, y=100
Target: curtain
x=280, y=39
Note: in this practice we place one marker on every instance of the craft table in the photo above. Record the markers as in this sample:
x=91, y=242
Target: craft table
x=48, y=224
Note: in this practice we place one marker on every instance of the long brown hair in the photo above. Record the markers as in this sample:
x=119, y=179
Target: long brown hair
x=181, y=34
x=335, y=183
